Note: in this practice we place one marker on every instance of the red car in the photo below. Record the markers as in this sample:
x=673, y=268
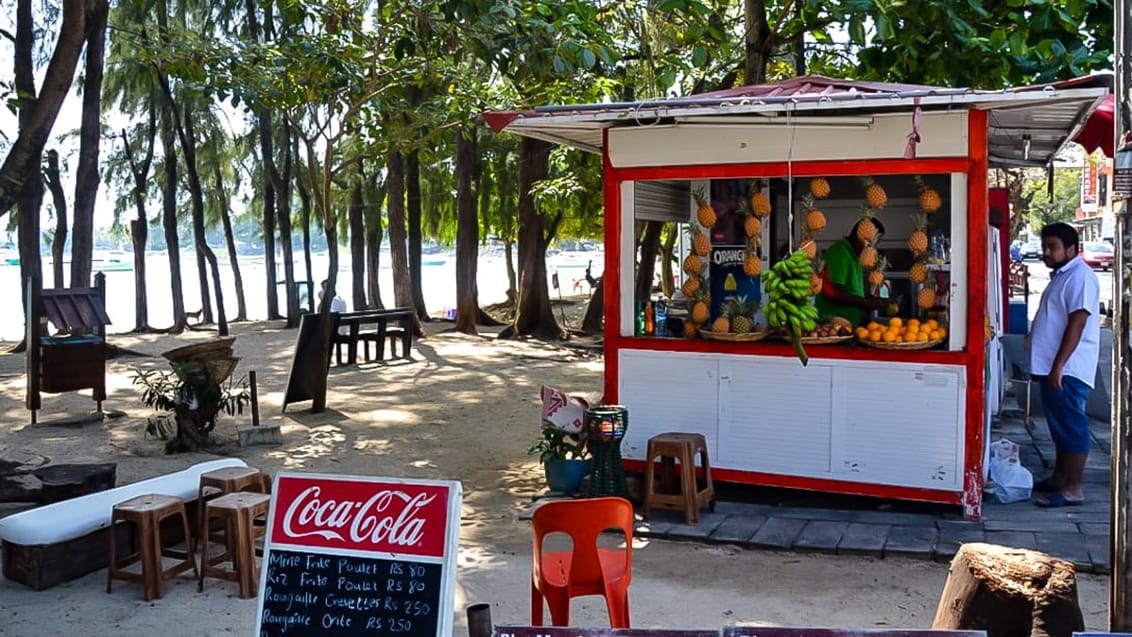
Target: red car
x=1098, y=255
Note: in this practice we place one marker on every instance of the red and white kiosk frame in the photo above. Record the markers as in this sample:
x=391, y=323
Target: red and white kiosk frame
x=908, y=425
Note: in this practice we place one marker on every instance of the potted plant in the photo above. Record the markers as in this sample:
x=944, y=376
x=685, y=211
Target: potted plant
x=564, y=458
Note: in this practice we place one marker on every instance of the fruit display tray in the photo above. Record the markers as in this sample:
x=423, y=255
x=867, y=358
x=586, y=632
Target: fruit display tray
x=748, y=337
x=908, y=346
x=825, y=340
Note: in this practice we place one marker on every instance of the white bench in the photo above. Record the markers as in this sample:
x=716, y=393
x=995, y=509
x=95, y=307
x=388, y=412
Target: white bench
x=58, y=542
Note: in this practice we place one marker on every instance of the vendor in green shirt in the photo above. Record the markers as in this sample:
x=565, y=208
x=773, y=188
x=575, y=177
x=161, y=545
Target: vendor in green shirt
x=843, y=280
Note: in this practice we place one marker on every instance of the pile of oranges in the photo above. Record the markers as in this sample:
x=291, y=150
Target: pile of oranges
x=900, y=331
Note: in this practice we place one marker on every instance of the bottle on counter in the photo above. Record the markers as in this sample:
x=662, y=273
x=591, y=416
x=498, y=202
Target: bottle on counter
x=650, y=319
x=660, y=308
x=640, y=331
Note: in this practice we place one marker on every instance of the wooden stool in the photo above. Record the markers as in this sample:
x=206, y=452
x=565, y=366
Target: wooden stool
x=681, y=447
x=146, y=512
x=228, y=480
x=238, y=512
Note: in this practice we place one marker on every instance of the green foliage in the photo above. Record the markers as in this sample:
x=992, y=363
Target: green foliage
x=556, y=444
x=1066, y=196
x=188, y=391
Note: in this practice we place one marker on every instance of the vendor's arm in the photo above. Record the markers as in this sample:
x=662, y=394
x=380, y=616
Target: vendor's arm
x=838, y=294
x=1069, y=340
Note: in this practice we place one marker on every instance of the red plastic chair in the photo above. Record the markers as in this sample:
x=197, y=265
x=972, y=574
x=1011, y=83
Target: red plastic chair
x=587, y=569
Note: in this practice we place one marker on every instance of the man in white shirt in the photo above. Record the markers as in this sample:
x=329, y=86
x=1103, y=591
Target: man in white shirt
x=337, y=304
x=1064, y=347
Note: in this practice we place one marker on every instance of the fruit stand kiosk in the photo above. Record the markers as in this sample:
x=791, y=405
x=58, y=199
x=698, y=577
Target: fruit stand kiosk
x=766, y=181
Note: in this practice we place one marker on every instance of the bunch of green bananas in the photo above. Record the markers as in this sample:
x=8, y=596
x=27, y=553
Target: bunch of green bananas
x=787, y=286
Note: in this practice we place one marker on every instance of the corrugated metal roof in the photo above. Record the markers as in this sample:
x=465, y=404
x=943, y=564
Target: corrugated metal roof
x=1050, y=113
x=75, y=309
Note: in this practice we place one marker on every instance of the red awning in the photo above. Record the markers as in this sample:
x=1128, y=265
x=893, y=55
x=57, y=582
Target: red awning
x=1097, y=131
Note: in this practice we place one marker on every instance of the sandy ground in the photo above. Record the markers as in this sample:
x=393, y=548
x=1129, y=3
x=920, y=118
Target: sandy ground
x=465, y=408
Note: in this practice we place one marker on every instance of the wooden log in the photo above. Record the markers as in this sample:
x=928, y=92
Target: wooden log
x=1009, y=592
x=64, y=481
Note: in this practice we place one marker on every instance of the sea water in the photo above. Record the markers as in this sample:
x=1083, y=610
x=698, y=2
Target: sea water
x=438, y=281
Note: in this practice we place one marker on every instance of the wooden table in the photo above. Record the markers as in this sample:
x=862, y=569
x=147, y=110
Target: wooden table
x=382, y=320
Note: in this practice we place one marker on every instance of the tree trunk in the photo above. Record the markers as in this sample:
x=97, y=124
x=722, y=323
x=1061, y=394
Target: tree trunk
x=594, y=319
x=283, y=215
x=90, y=136
x=467, y=233
x=267, y=157
x=395, y=184
x=21, y=167
x=139, y=227
x=230, y=242
x=512, y=277
x=305, y=199
x=413, y=189
x=169, y=220
x=667, y=258
x=374, y=232
x=356, y=217
x=29, y=197
x=59, y=200
x=534, y=315
x=756, y=37
x=1009, y=592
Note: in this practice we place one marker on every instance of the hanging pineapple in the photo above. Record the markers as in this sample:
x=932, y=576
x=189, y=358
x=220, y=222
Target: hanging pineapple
x=705, y=214
x=866, y=229
x=930, y=201
x=693, y=265
x=868, y=257
x=760, y=204
x=918, y=240
x=926, y=297
x=819, y=187
x=810, y=247
x=700, y=312
x=815, y=219
x=691, y=286
x=876, y=275
x=918, y=273
x=875, y=195
x=752, y=227
x=701, y=244
x=752, y=264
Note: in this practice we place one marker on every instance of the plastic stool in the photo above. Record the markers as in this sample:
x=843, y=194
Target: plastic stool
x=146, y=512
x=238, y=511
x=671, y=448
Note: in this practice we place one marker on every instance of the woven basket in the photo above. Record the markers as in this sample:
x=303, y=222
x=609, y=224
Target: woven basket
x=825, y=340
x=221, y=347
x=902, y=346
x=748, y=337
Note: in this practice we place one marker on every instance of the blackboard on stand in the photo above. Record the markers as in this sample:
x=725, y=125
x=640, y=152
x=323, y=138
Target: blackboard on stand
x=305, y=365
x=350, y=555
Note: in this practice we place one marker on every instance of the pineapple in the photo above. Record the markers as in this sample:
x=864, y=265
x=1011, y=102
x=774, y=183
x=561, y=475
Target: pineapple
x=701, y=245
x=760, y=204
x=819, y=187
x=691, y=330
x=752, y=226
x=722, y=323
x=930, y=201
x=691, y=286
x=815, y=283
x=874, y=193
x=876, y=276
x=918, y=240
x=705, y=214
x=925, y=298
x=815, y=219
x=700, y=311
x=741, y=312
x=752, y=264
x=868, y=257
x=810, y=247
x=866, y=229
x=693, y=265
x=918, y=273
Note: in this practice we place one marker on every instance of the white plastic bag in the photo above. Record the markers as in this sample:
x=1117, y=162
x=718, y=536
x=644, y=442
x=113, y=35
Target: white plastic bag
x=1012, y=481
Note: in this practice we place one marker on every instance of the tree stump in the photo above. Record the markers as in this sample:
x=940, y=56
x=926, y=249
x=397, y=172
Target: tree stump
x=64, y=481
x=1009, y=592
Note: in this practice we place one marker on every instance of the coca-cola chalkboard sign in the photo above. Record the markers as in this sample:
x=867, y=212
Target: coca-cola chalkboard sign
x=347, y=555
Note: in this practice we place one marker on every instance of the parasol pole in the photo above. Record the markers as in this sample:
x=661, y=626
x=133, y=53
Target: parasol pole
x=1120, y=581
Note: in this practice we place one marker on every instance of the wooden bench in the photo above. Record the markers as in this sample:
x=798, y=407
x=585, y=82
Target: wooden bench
x=393, y=323
x=58, y=542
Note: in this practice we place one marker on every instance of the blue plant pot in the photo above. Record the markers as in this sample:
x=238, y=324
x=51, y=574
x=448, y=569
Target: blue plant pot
x=566, y=475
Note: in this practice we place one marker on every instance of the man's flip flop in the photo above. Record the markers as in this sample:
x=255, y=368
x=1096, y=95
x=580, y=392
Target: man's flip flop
x=1057, y=500
x=1044, y=486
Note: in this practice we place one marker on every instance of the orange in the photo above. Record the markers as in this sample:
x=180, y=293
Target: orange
x=875, y=336
x=862, y=332
x=889, y=337
x=924, y=336
x=895, y=322
x=873, y=326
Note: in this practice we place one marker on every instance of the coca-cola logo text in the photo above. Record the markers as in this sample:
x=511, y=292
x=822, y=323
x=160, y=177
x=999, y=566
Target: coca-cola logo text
x=389, y=516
